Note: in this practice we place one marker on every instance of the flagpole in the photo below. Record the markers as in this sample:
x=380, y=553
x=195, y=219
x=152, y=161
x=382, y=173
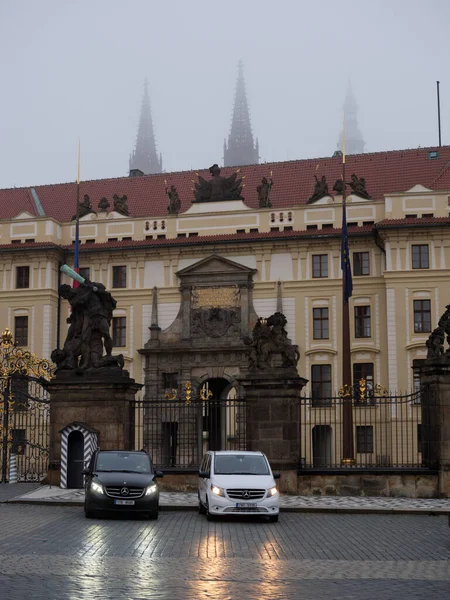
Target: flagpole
x=76, y=260
x=347, y=396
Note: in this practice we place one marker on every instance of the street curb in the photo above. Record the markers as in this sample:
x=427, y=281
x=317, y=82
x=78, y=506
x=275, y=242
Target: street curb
x=286, y=509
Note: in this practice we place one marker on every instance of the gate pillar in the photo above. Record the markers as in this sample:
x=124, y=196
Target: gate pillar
x=273, y=420
x=100, y=400
x=435, y=400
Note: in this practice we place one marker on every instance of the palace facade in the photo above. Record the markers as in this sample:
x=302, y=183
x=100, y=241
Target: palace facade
x=287, y=253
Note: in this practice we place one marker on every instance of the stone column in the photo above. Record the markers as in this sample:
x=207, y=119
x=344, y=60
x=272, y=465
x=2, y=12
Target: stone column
x=435, y=401
x=273, y=419
x=100, y=398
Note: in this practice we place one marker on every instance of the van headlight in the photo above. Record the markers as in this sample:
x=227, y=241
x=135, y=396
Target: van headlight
x=151, y=489
x=273, y=491
x=218, y=491
x=97, y=488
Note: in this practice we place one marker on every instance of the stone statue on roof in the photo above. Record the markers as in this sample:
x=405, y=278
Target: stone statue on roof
x=358, y=187
x=84, y=207
x=338, y=187
x=320, y=189
x=121, y=205
x=174, y=200
x=103, y=204
x=218, y=187
x=264, y=192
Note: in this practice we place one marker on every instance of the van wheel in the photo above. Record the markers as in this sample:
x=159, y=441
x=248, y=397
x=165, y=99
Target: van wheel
x=89, y=514
x=209, y=516
x=273, y=519
x=201, y=508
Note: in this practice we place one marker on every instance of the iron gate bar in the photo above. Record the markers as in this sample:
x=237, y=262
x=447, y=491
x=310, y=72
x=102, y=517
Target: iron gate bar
x=387, y=431
x=24, y=408
x=176, y=433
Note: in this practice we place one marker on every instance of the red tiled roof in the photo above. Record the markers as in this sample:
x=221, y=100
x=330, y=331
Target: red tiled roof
x=212, y=239
x=384, y=172
x=225, y=237
x=412, y=222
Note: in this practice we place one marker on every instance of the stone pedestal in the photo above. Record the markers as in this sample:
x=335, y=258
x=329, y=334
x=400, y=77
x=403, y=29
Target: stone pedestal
x=273, y=419
x=435, y=400
x=97, y=398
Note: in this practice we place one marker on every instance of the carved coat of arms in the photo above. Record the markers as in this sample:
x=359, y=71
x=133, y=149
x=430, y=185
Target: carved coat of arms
x=215, y=322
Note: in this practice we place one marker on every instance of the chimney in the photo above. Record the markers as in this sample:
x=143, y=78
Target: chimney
x=136, y=173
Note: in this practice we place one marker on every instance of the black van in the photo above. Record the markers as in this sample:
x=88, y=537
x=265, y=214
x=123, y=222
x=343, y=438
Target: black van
x=121, y=481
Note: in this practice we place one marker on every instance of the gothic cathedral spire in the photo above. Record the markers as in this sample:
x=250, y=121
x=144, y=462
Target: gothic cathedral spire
x=354, y=139
x=241, y=149
x=144, y=157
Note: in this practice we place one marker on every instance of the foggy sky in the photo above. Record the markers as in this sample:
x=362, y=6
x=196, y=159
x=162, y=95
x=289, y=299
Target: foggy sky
x=76, y=69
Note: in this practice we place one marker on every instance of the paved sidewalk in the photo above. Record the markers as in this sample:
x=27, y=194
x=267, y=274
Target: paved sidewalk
x=188, y=501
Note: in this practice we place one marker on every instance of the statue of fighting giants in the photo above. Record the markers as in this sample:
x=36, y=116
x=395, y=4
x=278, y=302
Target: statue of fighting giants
x=269, y=337
x=88, y=337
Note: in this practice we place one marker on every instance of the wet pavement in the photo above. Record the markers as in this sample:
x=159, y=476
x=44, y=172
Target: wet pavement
x=52, y=552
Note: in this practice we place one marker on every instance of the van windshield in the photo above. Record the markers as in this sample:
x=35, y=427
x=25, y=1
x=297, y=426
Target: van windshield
x=241, y=464
x=129, y=462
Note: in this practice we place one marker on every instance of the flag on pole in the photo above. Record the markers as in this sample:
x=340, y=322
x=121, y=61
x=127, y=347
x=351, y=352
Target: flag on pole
x=345, y=252
x=76, y=260
x=345, y=258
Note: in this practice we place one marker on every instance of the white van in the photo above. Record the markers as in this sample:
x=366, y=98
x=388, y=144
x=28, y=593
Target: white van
x=233, y=483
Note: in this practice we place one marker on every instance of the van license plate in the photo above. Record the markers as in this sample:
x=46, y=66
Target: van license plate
x=124, y=502
x=246, y=504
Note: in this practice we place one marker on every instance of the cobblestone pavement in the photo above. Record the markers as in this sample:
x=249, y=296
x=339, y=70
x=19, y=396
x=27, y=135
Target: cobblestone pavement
x=53, y=553
x=307, y=503
x=10, y=490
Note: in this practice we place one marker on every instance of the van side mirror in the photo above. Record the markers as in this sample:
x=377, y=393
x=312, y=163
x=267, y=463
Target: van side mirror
x=85, y=471
x=203, y=474
x=159, y=474
x=276, y=474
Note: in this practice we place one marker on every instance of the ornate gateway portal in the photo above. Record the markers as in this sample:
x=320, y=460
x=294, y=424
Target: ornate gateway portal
x=205, y=347
x=206, y=342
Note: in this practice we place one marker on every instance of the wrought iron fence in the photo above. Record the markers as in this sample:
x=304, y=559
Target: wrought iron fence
x=387, y=429
x=24, y=412
x=177, y=433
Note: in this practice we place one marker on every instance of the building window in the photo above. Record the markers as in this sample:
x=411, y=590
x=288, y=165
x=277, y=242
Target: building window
x=419, y=437
x=170, y=381
x=420, y=256
x=320, y=320
x=422, y=316
x=362, y=321
x=22, y=277
x=364, y=439
x=321, y=384
x=18, y=441
x=320, y=265
x=119, y=277
x=19, y=392
x=21, y=331
x=363, y=371
x=119, y=331
x=361, y=264
x=85, y=272
x=416, y=387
